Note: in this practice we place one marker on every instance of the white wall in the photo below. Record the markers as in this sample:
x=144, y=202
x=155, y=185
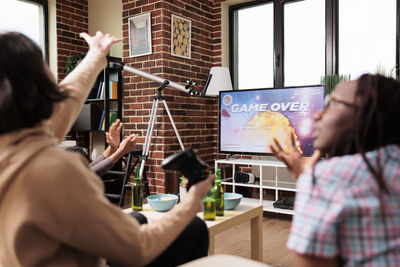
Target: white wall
x=52, y=37
x=106, y=16
x=225, y=28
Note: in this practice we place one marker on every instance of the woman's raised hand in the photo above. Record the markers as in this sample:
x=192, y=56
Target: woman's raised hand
x=113, y=138
x=128, y=144
x=100, y=41
x=292, y=158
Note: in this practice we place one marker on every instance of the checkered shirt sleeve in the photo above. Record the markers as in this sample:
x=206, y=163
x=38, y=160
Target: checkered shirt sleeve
x=340, y=215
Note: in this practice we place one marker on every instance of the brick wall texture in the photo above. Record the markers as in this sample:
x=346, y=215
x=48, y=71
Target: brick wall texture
x=196, y=118
x=72, y=19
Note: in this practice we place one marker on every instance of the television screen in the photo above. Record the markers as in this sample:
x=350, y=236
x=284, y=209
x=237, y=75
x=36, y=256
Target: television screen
x=250, y=119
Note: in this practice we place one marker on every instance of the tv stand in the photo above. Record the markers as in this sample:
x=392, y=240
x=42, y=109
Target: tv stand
x=268, y=183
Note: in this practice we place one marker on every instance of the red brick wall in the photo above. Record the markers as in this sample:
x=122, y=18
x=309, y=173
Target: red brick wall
x=72, y=19
x=195, y=117
x=217, y=33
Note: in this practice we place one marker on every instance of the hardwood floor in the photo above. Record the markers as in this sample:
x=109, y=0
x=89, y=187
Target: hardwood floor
x=276, y=228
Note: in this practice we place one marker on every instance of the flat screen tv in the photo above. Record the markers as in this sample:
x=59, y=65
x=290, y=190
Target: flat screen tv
x=250, y=119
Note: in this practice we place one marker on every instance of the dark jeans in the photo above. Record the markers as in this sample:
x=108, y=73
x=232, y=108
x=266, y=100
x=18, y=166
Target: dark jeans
x=191, y=244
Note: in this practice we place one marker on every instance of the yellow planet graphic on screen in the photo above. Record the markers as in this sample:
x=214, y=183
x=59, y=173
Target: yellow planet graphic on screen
x=263, y=127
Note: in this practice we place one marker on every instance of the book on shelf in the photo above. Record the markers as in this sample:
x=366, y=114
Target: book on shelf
x=112, y=115
x=102, y=121
x=102, y=90
x=99, y=90
x=113, y=90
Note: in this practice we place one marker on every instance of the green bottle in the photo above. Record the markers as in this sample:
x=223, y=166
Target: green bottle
x=137, y=191
x=219, y=194
x=209, y=205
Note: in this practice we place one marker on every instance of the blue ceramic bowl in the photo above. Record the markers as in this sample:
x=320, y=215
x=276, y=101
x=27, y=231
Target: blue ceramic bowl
x=231, y=200
x=162, y=202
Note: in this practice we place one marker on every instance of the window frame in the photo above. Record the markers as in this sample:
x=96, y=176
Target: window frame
x=331, y=38
x=45, y=11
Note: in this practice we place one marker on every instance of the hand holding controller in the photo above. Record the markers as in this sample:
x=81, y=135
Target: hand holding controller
x=188, y=164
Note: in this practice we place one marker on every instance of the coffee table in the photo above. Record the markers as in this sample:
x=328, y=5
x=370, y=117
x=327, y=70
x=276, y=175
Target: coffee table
x=242, y=213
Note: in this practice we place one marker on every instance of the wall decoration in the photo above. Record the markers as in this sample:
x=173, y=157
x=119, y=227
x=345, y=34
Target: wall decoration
x=180, y=36
x=140, y=35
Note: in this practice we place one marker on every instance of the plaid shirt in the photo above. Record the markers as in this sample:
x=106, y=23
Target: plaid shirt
x=340, y=215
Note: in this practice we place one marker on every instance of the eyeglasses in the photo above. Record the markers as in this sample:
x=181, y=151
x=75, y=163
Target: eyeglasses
x=333, y=103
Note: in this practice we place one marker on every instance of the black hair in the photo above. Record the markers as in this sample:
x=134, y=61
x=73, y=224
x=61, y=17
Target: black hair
x=379, y=111
x=79, y=150
x=376, y=121
x=27, y=90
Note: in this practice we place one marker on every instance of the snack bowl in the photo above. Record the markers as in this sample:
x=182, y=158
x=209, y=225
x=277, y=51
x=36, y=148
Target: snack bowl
x=162, y=202
x=231, y=200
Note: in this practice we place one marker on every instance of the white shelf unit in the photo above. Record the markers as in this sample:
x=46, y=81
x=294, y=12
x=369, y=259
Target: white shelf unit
x=273, y=183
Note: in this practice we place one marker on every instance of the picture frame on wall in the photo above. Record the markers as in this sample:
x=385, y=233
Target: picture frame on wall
x=140, y=35
x=181, y=37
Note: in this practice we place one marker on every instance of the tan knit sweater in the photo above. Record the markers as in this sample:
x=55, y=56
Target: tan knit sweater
x=52, y=208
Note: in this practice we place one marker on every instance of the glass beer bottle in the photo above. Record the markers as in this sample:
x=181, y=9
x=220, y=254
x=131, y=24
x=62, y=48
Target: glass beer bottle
x=219, y=194
x=137, y=191
x=209, y=205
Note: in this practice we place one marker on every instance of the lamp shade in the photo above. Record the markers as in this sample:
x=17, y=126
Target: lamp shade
x=220, y=81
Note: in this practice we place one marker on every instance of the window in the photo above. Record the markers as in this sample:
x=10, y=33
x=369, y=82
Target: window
x=254, y=47
x=367, y=41
x=28, y=17
x=309, y=39
x=304, y=42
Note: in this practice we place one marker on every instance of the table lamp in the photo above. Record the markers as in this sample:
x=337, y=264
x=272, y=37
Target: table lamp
x=219, y=80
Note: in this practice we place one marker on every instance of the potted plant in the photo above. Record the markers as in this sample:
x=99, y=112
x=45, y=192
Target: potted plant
x=72, y=62
x=385, y=72
x=330, y=81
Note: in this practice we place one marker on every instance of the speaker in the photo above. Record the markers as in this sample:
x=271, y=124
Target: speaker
x=244, y=177
x=88, y=119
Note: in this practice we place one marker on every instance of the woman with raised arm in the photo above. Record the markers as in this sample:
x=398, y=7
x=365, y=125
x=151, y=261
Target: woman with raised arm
x=114, y=151
x=347, y=208
x=52, y=208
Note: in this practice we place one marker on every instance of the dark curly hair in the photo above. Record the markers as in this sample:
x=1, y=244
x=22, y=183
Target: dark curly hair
x=27, y=90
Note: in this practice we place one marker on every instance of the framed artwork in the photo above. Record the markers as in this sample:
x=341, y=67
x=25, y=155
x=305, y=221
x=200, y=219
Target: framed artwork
x=180, y=36
x=140, y=35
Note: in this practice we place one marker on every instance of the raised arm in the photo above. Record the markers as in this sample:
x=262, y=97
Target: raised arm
x=113, y=138
x=126, y=146
x=292, y=158
x=105, y=162
x=80, y=81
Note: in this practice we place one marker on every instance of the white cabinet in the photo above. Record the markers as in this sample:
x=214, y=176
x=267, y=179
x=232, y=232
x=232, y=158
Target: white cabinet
x=268, y=180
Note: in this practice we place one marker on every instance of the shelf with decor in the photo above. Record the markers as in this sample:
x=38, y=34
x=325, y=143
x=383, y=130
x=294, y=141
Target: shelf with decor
x=104, y=103
x=268, y=180
x=102, y=107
